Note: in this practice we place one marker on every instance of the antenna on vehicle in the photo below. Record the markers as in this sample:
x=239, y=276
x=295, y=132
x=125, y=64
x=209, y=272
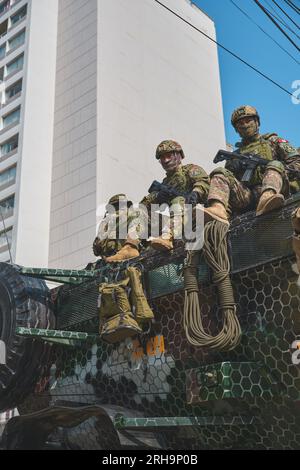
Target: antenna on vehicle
x=8, y=245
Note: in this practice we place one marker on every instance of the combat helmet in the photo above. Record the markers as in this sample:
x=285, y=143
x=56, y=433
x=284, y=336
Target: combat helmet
x=117, y=198
x=244, y=111
x=168, y=146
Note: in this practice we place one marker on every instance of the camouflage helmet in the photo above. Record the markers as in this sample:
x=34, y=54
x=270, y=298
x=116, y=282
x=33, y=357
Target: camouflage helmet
x=168, y=146
x=244, y=111
x=117, y=198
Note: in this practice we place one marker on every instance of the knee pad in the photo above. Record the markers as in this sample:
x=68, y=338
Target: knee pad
x=221, y=171
x=276, y=165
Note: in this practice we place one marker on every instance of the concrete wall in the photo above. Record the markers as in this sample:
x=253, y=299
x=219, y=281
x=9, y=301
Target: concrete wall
x=129, y=74
x=73, y=206
x=158, y=79
x=36, y=138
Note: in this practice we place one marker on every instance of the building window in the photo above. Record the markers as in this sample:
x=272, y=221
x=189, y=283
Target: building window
x=3, y=28
x=17, y=40
x=19, y=15
x=8, y=177
x=13, y=90
x=4, y=6
x=15, y=65
x=11, y=118
x=2, y=51
x=6, y=237
x=7, y=207
x=10, y=145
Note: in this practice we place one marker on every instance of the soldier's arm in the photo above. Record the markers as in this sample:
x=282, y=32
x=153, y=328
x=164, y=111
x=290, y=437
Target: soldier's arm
x=149, y=199
x=200, y=181
x=286, y=152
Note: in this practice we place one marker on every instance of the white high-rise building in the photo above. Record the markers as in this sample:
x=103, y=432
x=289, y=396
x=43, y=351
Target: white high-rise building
x=28, y=35
x=129, y=74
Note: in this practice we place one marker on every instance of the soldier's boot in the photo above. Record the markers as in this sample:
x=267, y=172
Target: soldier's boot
x=216, y=211
x=163, y=243
x=127, y=252
x=269, y=201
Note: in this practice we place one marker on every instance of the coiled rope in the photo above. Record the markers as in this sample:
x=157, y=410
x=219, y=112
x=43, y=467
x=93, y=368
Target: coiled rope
x=215, y=253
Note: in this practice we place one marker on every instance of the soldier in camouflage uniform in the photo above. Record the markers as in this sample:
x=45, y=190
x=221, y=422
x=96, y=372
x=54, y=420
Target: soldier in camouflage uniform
x=108, y=241
x=189, y=179
x=268, y=186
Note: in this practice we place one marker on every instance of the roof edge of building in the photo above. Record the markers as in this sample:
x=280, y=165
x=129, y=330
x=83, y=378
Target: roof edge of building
x=196, y=7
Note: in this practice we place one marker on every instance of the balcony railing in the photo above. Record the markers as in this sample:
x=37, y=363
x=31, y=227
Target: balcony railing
x=10, y=126
x=8, y=154
x=7, y=184
x=9, y=6
x=10, y=100
x=6, y=213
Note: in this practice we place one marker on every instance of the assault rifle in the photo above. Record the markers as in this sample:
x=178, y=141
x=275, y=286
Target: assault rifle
x=249, y=162
x=156, y=186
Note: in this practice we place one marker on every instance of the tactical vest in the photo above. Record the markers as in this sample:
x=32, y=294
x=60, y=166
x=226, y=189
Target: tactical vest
x=110, y=245
x=180, y=179
x=261, y=147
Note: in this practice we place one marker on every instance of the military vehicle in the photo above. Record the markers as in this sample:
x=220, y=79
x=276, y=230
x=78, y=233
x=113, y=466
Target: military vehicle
x=156, y=390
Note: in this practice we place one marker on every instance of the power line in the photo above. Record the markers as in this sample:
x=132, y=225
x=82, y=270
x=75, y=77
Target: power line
x=267, y=34
x=293, y=6
x=225, y=49
x=285, y=13
x=280, y=19
x=276, y=24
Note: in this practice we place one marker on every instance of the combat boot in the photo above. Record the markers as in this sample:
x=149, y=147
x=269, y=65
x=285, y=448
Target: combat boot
x=216, y=211
x=163, y=243
x=127, y=252
x=269, y=201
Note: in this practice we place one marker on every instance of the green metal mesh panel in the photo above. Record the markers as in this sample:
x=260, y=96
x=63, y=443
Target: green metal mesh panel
x=169, y=278
x=77, y=305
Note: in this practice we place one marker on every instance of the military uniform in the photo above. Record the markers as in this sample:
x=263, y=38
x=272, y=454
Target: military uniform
x=113, y=225
x=189, y=179
x=186, y=179
x=236, y=196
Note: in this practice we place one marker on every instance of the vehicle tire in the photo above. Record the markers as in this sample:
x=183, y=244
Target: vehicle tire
x=24, y=301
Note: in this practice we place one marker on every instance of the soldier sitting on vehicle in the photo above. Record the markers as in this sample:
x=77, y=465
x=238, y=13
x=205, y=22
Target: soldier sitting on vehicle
x=191, y=181
x=267, y=187
x=108, y=241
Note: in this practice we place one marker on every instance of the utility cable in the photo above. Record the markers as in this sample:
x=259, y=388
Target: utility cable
x=284, y=12
x=276, y=24
x=280, y=19
x=267, y=34
x=293, y=6
x=227, y=50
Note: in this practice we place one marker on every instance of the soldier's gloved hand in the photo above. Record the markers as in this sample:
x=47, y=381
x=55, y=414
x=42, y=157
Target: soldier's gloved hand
x=234, y=165
x=163, y=196
x=96, y=250
x=192, y=198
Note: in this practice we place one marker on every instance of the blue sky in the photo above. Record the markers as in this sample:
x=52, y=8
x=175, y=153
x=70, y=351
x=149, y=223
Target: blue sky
x=240, y=85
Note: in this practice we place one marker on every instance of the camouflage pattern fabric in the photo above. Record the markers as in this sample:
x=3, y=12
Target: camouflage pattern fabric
x=168, y=146
x=244, y=111
x=270, y=147
x=236, y=196
x=112, y=243
x=185, y=179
